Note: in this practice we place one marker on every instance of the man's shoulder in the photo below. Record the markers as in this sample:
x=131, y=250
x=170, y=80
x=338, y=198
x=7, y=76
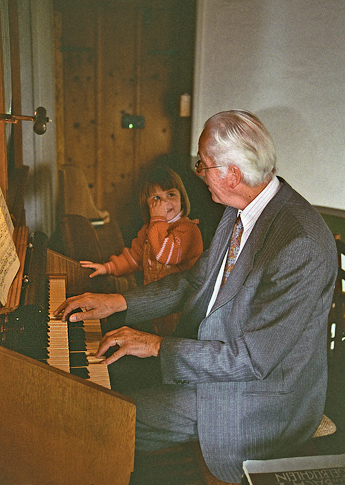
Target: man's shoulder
x=295, y=218
x=291, y=202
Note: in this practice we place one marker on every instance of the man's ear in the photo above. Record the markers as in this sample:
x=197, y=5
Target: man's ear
x=234, y=176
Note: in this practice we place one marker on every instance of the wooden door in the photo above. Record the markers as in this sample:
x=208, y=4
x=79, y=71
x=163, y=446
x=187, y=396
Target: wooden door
x=118, y=58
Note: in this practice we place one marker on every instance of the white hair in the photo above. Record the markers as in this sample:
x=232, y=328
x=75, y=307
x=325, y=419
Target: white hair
x=241, y=139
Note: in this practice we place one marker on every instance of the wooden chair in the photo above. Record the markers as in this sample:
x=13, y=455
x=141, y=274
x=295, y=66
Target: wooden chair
x=80, y=242
x=335, y=405
x=79, y=238
x=75, y=195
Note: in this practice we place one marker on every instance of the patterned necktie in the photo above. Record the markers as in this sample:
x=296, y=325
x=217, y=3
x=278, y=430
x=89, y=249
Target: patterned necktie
x=234, y=247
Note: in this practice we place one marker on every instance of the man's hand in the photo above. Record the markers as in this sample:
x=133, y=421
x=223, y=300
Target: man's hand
x=96, y=305
x=129, y=342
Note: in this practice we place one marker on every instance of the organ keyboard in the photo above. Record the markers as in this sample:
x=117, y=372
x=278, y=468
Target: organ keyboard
x=78, y=359
x=67, y=346
x=24, y=329
x=91, y=426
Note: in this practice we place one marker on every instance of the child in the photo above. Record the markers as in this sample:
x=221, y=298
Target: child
x=169, y=242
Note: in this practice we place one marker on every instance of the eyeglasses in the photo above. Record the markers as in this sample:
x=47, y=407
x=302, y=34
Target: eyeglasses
x=199, y=167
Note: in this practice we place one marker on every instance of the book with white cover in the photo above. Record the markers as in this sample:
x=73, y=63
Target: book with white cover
x=311, y=470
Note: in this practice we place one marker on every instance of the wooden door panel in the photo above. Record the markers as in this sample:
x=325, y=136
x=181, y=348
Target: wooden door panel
x=78, y=48
x=119, y=81
x=157, y=90
x=119, y=57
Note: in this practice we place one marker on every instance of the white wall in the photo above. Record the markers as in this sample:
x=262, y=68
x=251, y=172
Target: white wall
x=284, y=60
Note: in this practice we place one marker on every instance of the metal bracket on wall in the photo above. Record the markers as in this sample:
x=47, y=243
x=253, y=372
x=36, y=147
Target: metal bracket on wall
x=133, y=122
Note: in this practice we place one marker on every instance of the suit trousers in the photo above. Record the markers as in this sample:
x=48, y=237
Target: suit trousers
x=166, y=416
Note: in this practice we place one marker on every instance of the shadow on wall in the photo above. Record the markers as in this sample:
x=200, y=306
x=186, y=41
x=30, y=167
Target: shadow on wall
x=203, y=208
x=299, y=160
x=296, y=146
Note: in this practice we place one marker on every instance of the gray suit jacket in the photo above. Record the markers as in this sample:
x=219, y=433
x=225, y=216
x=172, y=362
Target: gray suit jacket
x=260, y=358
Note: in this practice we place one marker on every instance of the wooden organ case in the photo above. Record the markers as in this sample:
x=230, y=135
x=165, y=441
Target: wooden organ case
x=56, y=427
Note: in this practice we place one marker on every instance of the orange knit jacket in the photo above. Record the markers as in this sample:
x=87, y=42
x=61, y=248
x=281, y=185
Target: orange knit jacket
x=166, y=248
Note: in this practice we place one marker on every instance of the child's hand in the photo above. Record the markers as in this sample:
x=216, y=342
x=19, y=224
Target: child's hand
x=158, y=208
x=97, y=267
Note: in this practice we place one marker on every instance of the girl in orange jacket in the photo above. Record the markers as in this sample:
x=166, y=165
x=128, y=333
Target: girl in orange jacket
x=169, y=242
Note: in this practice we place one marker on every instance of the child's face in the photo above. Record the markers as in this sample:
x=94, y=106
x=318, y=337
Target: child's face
x=166, y=203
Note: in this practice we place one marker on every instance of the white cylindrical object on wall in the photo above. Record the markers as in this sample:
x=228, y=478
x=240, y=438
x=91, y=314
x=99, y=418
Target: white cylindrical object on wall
x=185, y=105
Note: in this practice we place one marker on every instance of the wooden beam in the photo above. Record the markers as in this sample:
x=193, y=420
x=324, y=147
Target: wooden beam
x=3, y=146
x=16, y=84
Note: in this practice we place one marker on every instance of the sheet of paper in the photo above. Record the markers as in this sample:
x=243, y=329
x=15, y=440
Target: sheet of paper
x=6, y=214
x=9, y=262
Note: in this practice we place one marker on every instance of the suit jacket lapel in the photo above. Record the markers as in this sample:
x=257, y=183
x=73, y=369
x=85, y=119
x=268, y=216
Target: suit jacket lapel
x=219, y=246
x=245, y=262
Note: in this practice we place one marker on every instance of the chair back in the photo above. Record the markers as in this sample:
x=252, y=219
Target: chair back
x=336, y=342
x=75, y=196
x=79, y=239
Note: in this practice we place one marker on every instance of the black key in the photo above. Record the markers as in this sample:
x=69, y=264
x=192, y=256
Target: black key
x=34, y=352
x=77, y=346
x=80, y=372
x=76, y=334
x=77, y=359
x=75, y=324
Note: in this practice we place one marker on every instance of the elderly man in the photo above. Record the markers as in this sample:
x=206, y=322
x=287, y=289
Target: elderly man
x=246, y=371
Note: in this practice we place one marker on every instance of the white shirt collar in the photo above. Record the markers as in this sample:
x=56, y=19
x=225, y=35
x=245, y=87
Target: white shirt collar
x=253, y=211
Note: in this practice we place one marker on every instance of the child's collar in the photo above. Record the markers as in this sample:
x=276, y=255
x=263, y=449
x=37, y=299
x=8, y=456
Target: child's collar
x=176, y=218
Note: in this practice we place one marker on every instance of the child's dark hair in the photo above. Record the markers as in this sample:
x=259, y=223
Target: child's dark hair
x=166, y=179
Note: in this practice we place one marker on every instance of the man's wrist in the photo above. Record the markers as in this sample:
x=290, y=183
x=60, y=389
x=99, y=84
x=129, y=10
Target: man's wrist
x=158, y=346
x=120, y=303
